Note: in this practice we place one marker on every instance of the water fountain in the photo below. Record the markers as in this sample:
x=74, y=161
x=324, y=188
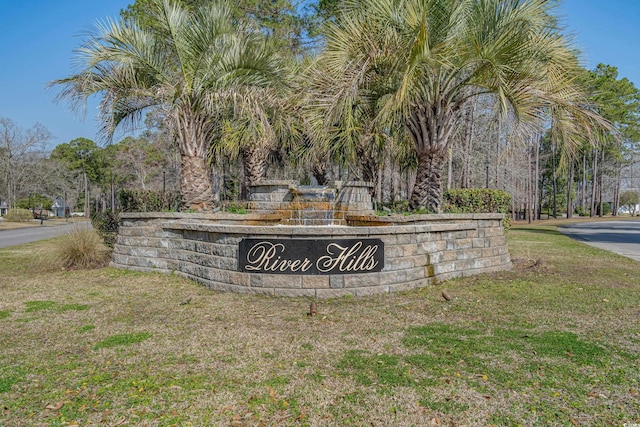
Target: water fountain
x=319, y=242
x=313, y=205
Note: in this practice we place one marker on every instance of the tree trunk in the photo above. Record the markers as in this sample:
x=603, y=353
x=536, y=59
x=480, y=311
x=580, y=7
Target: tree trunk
x=395, y=181
x=113, y=196
x=378, y=186
x=449, y=168
x=427, y=190
x=319, y=172
x=431, y=127
x=369, y=163
x=195, y=184
x=570, y=189
x=193, y=138
x=498, y=143
x=465, y=181
x=594, y=185
x=583, y=190
x=616, y=190
x=600, y=185
x=529, y=190
x=255, y=162
x=87, y=208
x=538, y=201
x=555, y=181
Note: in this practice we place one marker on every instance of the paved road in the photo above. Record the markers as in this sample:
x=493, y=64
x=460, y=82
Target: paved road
x=19, y=236
x=621, y=237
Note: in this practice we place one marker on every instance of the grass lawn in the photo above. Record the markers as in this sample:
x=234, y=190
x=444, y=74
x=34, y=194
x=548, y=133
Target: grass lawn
x=553, y=342
x=9, y=225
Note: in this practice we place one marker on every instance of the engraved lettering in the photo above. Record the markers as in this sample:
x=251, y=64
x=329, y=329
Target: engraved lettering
x=348, y=259
x=261, y=258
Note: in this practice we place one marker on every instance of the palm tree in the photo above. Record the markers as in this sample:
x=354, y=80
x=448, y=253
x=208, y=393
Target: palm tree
x=191, y=66
x=262, y=120
x=419, y=62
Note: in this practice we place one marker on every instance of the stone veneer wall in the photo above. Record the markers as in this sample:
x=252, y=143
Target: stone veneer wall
x=419, y=250
x=270, y=195
x=354, y=197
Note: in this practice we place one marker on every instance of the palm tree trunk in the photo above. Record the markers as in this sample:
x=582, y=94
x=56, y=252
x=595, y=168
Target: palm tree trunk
x=430, y=127
x=195, y=183
x=195, y=176
x=319, y=172
x=427, y=190
x=255, y=162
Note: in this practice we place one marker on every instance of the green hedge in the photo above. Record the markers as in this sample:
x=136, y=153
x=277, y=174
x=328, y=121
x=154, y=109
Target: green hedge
x=148, y=201
x=477, y=200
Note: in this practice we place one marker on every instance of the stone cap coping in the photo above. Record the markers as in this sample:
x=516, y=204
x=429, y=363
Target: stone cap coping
x=383, y=220
x=274, y=183
x=406, y=219
x=317, y=231
x=202, y=216
x=342, y=184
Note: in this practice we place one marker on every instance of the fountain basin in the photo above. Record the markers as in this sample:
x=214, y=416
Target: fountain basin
x=417, y=251
x=311, y=205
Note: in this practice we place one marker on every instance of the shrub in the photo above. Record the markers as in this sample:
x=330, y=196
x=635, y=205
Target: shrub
x=477, y=200
x=18, y=215
x=79, y=249
x=106, y=225
x=148, y=201
x=606, y=208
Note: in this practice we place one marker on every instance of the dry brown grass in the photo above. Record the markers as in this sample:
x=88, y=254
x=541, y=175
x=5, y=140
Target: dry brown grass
x=8, y=225
x=79, y=249
x=239, y=360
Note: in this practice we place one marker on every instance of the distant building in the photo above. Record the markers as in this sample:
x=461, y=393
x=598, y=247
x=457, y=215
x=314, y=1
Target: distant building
x=41, y=213
x=60, y=209
x=4, y=208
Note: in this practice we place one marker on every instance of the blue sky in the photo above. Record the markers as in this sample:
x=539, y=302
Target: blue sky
x=37, y=38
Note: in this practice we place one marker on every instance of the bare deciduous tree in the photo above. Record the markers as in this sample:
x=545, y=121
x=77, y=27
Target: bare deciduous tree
x=20, y=151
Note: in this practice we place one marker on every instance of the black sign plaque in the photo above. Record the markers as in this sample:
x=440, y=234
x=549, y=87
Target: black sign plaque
x=310, y=257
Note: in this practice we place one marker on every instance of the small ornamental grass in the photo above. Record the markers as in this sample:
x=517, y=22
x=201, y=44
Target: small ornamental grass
x=79, y=249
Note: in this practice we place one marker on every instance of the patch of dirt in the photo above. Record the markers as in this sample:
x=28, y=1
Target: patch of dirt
x=529, y=264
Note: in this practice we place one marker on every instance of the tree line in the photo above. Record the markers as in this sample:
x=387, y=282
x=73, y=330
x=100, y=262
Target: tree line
x=413, y=96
